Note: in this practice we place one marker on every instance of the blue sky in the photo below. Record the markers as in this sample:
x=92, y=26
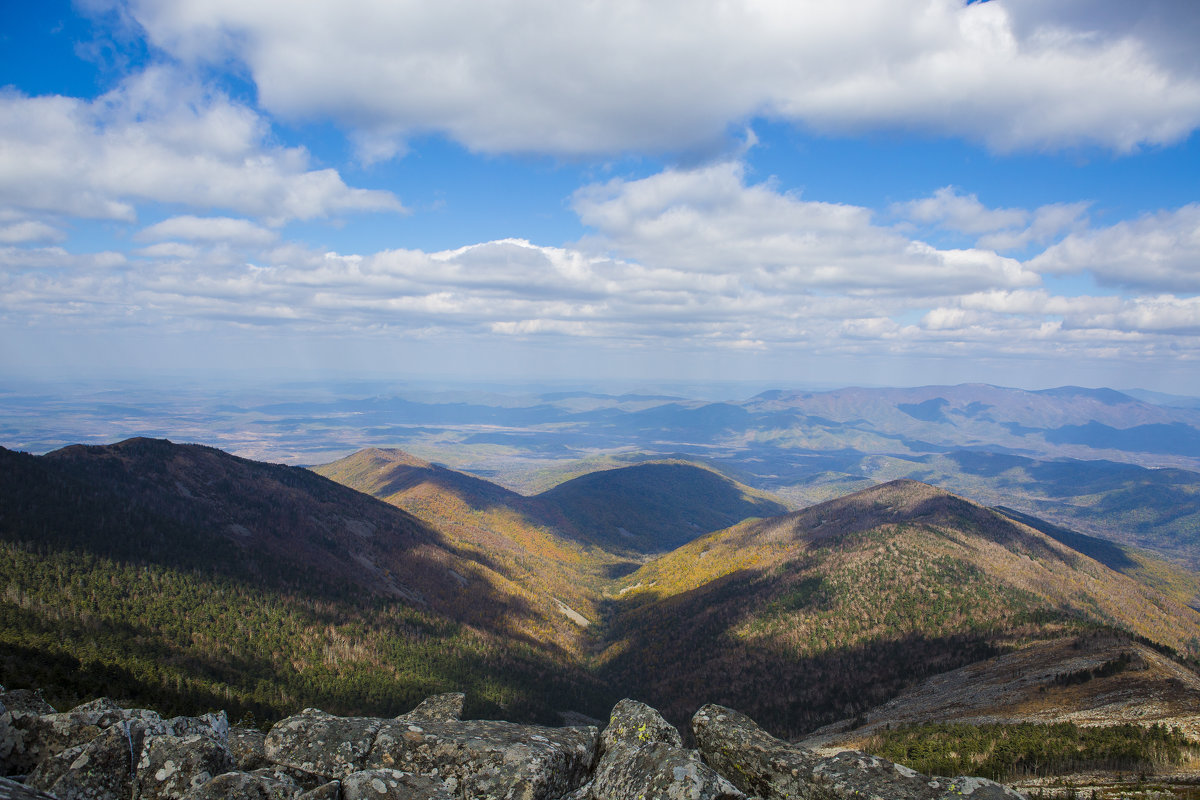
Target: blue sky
x=887, y=192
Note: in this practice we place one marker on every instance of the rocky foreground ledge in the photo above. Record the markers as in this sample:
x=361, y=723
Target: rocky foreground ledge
x=101, y=751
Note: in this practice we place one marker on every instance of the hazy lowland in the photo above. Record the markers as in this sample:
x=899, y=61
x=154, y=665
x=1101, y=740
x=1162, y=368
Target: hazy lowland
x=966, y=578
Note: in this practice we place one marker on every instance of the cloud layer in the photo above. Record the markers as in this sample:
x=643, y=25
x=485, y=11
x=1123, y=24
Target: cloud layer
x=591, y=78
x=686, y=259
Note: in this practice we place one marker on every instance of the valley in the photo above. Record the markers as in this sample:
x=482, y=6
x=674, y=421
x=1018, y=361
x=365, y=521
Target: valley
x=184, y=577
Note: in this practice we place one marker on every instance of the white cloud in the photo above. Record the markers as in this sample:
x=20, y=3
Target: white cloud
x=1159, y=252
x=586, y=78
x=159, y=138
x=949, y=209
x=29, y=231
x=529, y=293
x=209, y=229
x=710, y=221
x=169, y=250
x=995, y=228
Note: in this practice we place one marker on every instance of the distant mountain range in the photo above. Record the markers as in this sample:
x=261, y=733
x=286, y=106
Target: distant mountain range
x=183, y=577
x=1123, y=466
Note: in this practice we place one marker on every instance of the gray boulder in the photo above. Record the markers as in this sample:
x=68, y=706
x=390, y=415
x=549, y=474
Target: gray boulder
x=36, y=737
x=13, y=790
x=49, y=770
x=482, y=759
x=213, y=726
x=322, y=743
x=644, y=759
x=331, y=790
x=17, y=708
x=248, y=748
x=761, y=765
x=439, y=708
x=103, y=770
x=305, y=781
x=170, y=766
x=245, y=786
x=391, y=784
x=25, y=701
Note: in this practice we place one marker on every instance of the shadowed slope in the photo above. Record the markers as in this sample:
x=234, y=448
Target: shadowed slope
x=821, y=613
x=652, y=508
x=181, y=566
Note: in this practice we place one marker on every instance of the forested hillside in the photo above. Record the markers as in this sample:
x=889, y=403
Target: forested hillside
x=186, y=578
x=823, y=613
x=185, y=575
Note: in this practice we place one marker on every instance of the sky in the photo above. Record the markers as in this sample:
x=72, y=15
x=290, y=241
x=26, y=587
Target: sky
x=875, y=192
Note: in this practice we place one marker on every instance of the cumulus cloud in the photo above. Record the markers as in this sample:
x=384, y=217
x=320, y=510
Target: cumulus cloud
x=521, y=75
x=949, y=209
x=157, y=137
x=1156, y=252
x=995, y=228
x=522, y=291
x=699, y=258
x=28, y=231
x=710, y=220
x=209, y=229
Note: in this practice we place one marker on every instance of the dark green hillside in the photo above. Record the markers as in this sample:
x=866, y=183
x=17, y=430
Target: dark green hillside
x=186, y=578
x=652, y=508
x=1005, y=752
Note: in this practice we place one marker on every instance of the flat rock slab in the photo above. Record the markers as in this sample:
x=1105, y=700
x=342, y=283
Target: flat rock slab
x=391, y=784
x=482, y=759
x=322, y=743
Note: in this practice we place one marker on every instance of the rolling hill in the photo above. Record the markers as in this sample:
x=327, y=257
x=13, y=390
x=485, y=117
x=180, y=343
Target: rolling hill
x=630, y=510
x=655, y=507
x=179, y=572
x=493, y=523
x=822, y=613
x=184, y=577
x=1119, y=465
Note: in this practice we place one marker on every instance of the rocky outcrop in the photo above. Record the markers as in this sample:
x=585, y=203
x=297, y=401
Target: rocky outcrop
x=761, y=765
x=643, y=756
x=101, y=751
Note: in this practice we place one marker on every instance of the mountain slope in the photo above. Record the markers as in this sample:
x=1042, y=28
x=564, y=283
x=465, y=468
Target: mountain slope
x=184, y=576
x=180, y=572
x=1097, y=679
x=655, y=507
x=492, y=523
x=627, y=510
x=822, y=613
